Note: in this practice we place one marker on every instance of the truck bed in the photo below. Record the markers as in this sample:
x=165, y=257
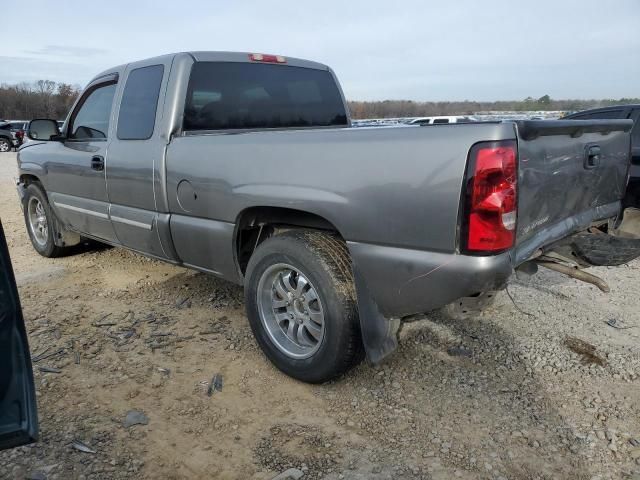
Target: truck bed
x=394, y=194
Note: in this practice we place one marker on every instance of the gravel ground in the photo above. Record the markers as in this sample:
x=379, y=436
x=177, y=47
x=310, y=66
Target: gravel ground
x=540, y=387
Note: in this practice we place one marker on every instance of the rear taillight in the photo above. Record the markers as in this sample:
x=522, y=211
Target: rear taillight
x=490, y=198
x=265, y=58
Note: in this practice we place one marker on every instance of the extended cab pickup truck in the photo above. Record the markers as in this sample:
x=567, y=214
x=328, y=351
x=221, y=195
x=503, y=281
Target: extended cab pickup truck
x=245, y=166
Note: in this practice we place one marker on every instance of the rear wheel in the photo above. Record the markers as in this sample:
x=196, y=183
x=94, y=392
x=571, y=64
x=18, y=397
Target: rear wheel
x=39, y=220
x=300, y=300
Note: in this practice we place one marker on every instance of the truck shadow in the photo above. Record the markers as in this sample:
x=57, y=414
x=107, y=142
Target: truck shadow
x=457, y=395
x=460, y=394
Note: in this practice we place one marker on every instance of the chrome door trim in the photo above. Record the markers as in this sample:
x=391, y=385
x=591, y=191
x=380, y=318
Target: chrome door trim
x=133, y=223
x=81, y=210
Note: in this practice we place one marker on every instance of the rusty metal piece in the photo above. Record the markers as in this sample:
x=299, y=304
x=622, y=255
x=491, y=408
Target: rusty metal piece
x=574, y=273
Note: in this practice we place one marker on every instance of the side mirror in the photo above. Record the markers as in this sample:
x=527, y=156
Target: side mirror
x=43, y=129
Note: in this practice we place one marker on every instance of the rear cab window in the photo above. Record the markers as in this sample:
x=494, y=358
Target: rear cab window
x=236, y=95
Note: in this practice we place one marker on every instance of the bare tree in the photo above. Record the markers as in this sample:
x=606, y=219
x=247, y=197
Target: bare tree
x=44, y=99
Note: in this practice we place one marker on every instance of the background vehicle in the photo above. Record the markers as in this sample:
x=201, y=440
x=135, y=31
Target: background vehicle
x=17, y=130
x=7, y=137
x=245, y=166
x=441, y=120
x=632, y=198
x=18, y=410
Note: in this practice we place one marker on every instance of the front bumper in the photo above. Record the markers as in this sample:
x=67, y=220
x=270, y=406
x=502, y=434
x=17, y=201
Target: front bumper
x=405, y=282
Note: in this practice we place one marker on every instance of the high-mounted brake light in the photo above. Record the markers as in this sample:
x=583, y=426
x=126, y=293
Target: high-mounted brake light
x=490, y=198
x=263, y=57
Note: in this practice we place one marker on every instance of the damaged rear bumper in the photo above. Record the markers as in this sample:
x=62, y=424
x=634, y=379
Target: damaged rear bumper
x=405, y=282
x=392, y=282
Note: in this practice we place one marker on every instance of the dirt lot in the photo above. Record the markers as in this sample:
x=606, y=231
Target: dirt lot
x=500, y=396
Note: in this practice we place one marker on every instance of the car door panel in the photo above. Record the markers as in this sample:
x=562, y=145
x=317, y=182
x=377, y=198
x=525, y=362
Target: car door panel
x=137, y=228
x=75, y=180
x=135, y=159
x=18, y=409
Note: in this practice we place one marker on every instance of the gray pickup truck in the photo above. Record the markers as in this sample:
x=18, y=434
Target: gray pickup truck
x=245, y=166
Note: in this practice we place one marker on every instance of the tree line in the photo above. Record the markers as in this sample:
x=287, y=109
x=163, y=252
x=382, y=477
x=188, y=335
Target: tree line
x=41, y=99
x=409, y=108
x=47, y=99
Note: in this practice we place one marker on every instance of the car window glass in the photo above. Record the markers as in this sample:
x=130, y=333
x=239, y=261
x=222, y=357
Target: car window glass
x=635, y=133
x=235, y=95
x=91, y=121
x=137, y=116
x=607, y=114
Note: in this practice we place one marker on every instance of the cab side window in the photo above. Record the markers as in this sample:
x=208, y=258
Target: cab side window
x=137, y=116
x=91, y=120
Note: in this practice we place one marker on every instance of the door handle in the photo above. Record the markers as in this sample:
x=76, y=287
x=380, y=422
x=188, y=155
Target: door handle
x=592, y=157
x=97, y=163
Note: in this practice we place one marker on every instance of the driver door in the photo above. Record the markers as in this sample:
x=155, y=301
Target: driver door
x=18, y=409
x=76, y=168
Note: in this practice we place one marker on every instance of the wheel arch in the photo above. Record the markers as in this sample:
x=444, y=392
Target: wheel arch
x=256, y=224
x=28, y=178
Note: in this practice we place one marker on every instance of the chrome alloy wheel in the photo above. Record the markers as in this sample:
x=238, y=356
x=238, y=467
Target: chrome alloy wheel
x=290, y=310
x=38, y=221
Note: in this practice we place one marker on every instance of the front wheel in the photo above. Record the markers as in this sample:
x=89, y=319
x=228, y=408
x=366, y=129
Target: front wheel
x=300, y=300
x=39, y=220
x=5, y=145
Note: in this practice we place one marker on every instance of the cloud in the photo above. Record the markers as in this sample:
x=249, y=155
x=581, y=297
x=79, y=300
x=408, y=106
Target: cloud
x=67, y=51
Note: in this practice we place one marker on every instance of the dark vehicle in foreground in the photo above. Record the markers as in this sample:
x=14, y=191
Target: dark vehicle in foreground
x=632, y=197
x=18, y=410
x=245, y=166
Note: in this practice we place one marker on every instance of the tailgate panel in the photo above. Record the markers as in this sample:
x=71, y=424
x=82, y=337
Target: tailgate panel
x=560, y=189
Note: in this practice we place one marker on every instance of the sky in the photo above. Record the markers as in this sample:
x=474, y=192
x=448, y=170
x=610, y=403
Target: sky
x=396, y=49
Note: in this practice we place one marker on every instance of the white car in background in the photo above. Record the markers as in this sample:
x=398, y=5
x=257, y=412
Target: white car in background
x=442, y=120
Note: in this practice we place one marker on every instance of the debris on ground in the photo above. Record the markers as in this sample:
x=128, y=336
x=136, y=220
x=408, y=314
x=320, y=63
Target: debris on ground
x=135, y=417
x=290, y=474
x=42, y=356
x=37, y=475
x=215, y=384
x=82, y=447
x=585, y=349
x=617, y=324
x=49, y=370
x=459, y=352
x=183, y=302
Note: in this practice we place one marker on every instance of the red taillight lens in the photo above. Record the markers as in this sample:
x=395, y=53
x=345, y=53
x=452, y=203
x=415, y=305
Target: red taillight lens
x=263, y=57
x=489, y=220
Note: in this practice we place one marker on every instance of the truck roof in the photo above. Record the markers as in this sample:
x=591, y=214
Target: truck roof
x=216, y=56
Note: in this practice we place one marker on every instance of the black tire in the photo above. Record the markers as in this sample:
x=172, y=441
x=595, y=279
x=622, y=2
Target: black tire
x=5, y=144
x=47, y=249
x=325, y=261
